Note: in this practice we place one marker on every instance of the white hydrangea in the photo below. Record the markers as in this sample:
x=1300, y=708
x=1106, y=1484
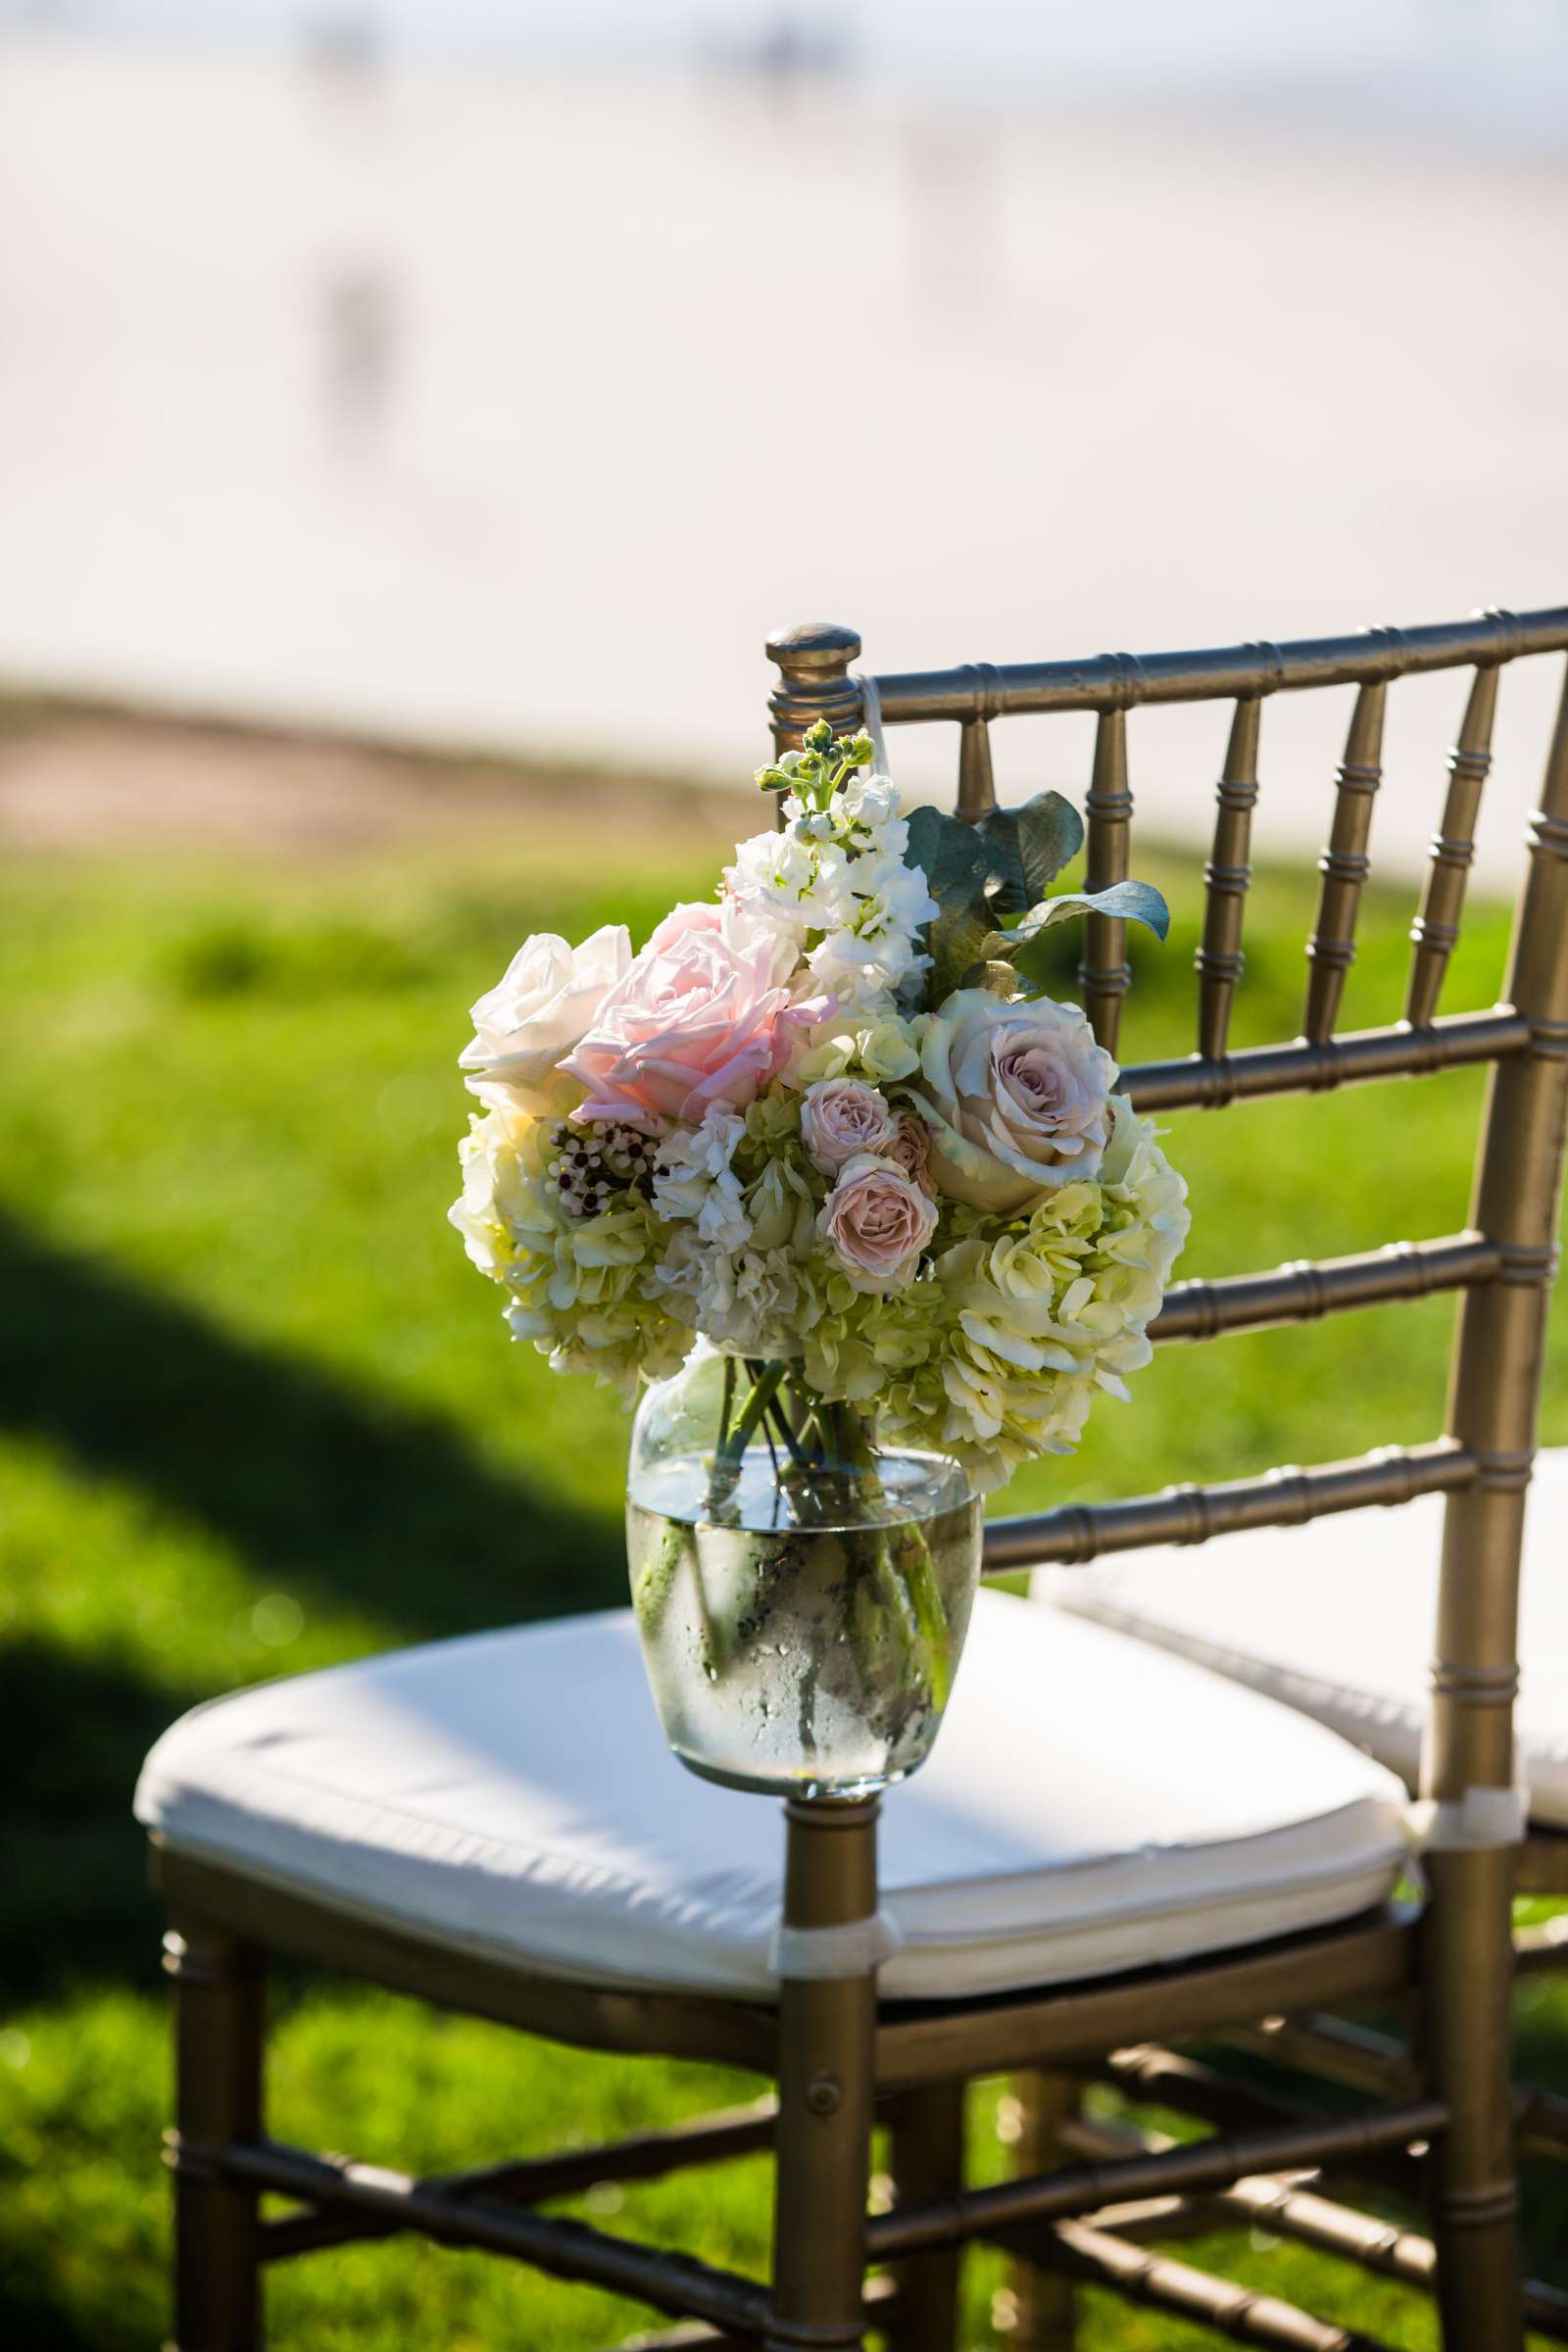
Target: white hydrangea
x=693, y=1178
x=1036, y=1319
x=579, y=1286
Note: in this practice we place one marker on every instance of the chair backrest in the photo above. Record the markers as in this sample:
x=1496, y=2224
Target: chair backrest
x=1502, y=1266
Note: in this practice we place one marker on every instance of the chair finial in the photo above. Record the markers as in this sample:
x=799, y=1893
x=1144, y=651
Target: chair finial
x=813, y=660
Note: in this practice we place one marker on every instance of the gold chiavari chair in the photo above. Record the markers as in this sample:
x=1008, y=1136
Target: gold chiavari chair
x=312, y=1857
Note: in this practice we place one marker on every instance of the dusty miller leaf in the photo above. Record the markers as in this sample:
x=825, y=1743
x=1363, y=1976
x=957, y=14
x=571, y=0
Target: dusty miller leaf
x=1133, y=902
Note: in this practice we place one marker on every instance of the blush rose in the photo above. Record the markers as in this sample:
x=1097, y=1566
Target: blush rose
x=843, y=1116
x=703, y=1016
x=876, y=1222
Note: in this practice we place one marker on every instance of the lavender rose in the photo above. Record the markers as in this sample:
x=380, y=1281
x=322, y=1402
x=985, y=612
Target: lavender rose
x=843, y=1116
x=1017, y=1098
x=876, y=1222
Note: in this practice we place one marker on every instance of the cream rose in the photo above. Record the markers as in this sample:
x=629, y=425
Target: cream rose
x=1018, y=1099
x=545, y=1000
x=841, y=1118
x=876, y=1222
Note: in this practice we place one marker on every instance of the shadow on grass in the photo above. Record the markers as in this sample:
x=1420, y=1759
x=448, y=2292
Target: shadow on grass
x=373, y=1507
x=75, y=1903
x=380, y=1508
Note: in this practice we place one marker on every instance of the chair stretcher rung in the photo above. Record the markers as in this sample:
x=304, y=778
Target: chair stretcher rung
x=1149, y=2075
x=1215, y=2163
x=1362, y=1056
x=1361, y=2059
x=1539, y=1949
x=649, y=2156
x=564, y=2249
x=1298, y=1292
x=1162, y=2284
x=881, y=2307
x=1081, y=1532
x=1294, y=2206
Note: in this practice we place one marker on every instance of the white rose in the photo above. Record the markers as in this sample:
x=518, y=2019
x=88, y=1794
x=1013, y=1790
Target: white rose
x=1018, y=1099
x=542, y=1007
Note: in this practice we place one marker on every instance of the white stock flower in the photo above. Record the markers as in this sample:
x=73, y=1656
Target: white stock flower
x=770, y=878
x=837, y=876
x=540, y=1009
x=870, y=805
x=873, y=909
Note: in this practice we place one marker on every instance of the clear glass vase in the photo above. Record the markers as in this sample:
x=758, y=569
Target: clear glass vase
x=801, y=1592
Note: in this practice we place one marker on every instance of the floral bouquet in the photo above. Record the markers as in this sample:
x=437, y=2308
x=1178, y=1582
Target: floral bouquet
x=825, y=1150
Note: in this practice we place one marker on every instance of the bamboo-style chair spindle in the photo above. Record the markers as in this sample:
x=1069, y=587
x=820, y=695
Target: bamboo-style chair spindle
x=1105, y=972
x=1226, y=877
x=977, y=791
x=1466, y=2013
x=1435, y=929
x=1344, y=865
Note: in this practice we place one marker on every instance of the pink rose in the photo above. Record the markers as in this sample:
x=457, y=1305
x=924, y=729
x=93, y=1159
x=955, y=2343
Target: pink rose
x=876, y=1222
x=703, y=1016
x=696, y=915
x=841, y=1116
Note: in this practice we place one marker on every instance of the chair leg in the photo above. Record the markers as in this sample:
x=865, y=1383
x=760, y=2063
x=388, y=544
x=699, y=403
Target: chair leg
x=1467, y=1976
x=927, y=2162
x=1044, y=2314
x=218, y=1990
x=827, y=2046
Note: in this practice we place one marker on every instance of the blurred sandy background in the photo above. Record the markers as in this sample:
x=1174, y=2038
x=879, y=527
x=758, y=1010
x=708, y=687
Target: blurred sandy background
x=500, y=375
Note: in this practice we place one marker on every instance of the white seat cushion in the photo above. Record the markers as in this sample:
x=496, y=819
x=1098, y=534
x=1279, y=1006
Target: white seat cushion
x=1337, y=1618
x=1093, y=1805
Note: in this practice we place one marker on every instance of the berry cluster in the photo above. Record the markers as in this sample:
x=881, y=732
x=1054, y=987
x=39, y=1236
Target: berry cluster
x=592, y=1164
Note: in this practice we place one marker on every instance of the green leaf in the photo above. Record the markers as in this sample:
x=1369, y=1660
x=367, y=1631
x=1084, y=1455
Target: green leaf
x=1014, y=853
x=996, y=978
x=951, y=853
x=998, y=829
x=963, y=935
x=1051, y=834
x=1133, y=902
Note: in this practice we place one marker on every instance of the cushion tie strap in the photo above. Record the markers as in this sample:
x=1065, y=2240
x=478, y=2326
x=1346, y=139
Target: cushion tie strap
x=871, y=720
x=851, y=1950
x=1481, y=1818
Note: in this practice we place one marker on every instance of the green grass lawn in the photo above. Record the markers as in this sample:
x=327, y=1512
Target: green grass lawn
x=257, y=1414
